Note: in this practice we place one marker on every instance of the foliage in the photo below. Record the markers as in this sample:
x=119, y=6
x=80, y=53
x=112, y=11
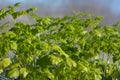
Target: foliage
x=59, y=48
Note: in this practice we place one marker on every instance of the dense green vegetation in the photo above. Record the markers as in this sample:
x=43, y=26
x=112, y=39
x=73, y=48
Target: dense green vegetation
x=64, y=48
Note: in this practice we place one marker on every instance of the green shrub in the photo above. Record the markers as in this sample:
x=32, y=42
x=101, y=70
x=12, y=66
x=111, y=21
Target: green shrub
x=59, y=48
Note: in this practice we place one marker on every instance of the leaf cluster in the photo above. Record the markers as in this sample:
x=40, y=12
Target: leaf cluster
x=59, y=48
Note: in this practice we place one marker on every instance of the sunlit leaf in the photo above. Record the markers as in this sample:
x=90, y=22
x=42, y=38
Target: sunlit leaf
x=24, y=72
x=5, y=62
x=14, y=73
x=55, y=60
x=71, y=63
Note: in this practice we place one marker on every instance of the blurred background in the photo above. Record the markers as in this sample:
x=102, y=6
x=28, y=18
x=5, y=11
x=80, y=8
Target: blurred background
x=109, y=9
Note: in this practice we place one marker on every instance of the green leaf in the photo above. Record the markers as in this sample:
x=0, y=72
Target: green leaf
x=13, y=45
x=31, y=10
x=71, y=63
x=1, y=70
x=55, y=59
x=24, y=72
x=5, y=63
x=10, y=34
x=84, y=32
x=17, y=4
x=16, y=65
x=57, y=48
x=14, y=73
x=49, y=74
x=98, y=33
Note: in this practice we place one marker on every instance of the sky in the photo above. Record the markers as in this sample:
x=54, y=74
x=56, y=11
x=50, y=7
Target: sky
x=109, y=9
x=116, y=6
x=113, y=4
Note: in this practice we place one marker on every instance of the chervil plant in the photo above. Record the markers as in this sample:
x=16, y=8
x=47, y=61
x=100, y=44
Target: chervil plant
x=58, y=48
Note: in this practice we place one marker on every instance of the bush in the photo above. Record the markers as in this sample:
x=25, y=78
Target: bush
x=64, y=48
